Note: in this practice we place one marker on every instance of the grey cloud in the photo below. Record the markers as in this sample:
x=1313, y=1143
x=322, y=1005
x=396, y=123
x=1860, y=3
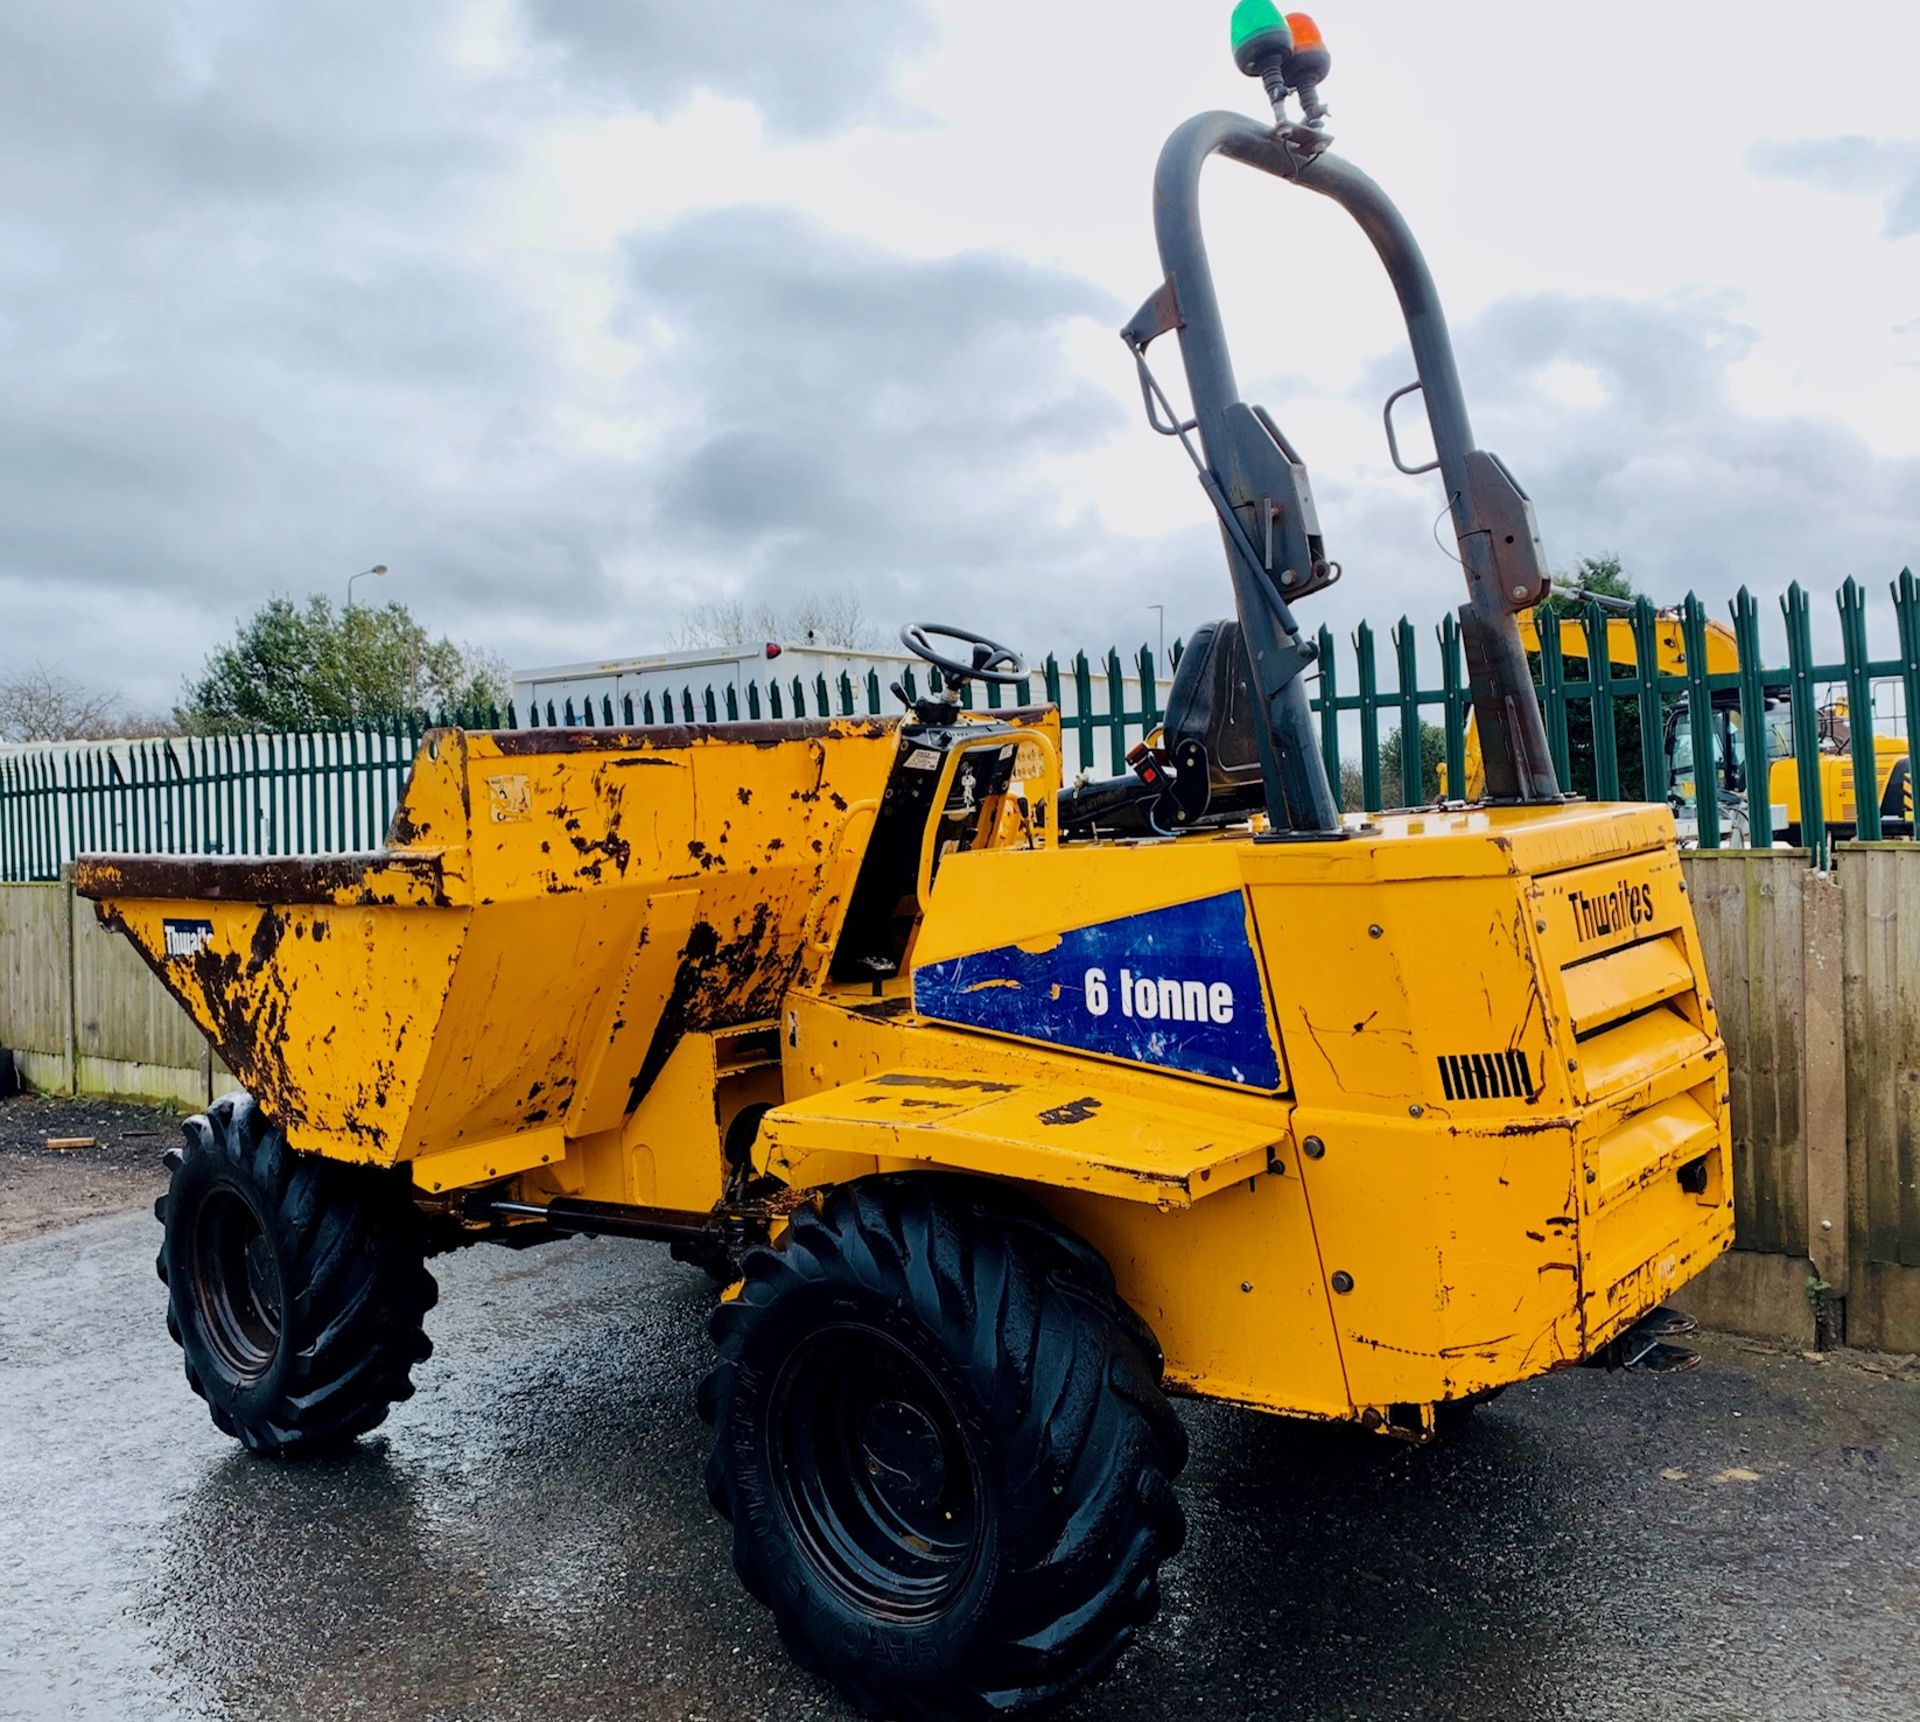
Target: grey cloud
x=117, y=112
x=808, y=68
x=245, y=345
x=248, y=350
x=852, y=414
x=1668, y=469
x=1880, y=167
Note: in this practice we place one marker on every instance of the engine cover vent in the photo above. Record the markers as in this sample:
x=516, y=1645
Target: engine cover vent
x=1486, y=1076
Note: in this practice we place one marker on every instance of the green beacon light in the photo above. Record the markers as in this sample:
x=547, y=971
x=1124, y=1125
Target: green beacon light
x=1286, y=52
x=1260, y=37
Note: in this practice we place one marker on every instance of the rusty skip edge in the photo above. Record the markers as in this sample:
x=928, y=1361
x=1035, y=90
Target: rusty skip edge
x=278, y=880
x=669, y=737
x=764, y=732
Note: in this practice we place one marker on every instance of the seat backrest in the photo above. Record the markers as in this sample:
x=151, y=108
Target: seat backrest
x=1211, y=702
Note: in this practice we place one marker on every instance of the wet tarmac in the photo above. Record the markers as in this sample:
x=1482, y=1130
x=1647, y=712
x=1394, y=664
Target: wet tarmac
x=528, y=1537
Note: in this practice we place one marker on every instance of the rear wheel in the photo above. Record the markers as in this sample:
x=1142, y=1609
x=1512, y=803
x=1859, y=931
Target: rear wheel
x=296, y=1287
x=943, y=1448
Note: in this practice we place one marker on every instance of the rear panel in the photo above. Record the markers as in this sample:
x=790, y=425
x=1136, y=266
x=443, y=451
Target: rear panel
x=1627, y=983
x=1507, y=1065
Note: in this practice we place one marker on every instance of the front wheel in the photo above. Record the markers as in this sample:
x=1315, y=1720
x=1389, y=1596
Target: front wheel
x=296, y=1286
x=943, y=1447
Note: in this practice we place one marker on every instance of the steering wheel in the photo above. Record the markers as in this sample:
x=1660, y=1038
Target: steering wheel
x=992, y=662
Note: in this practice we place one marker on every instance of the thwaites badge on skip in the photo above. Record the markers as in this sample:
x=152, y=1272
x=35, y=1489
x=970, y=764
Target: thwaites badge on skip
x=1178, y=988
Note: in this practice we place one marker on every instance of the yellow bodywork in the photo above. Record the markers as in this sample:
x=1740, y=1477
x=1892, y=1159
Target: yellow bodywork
x=1485, y=1131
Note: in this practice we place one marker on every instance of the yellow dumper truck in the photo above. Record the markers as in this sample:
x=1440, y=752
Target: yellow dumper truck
x=1002, y=1122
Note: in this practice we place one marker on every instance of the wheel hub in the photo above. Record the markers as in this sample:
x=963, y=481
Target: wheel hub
x=876, y=1474
x=236, y=1284
x=904, y=1457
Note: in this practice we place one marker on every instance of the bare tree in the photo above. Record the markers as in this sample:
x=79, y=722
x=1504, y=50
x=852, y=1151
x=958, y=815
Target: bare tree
x=830, y=619
x=39, y=703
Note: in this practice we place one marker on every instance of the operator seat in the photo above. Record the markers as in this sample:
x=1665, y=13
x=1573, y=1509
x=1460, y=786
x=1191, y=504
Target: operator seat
x=1209, y=707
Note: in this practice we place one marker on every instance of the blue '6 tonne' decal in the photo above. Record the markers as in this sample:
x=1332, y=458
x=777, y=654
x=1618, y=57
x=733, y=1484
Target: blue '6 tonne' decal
x=1177, y=987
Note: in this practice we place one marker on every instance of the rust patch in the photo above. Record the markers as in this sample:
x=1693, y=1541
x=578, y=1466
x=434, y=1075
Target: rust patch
x=278, y=880
x=267, y=933
x=718, y=982
x=612, y=847
x=1071, y=1111
x=669, y=737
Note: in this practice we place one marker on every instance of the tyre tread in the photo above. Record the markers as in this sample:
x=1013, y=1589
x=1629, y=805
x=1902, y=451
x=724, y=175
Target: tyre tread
x=355, y=1283
x=1069, y=1378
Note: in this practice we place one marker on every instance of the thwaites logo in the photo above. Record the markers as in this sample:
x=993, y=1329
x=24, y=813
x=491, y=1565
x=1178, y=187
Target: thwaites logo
x=1600, y=915
x=186, y=938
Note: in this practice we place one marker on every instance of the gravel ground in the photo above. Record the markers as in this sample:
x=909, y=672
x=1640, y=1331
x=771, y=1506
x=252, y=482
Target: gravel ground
x=42, y=1188
x=528, y=1539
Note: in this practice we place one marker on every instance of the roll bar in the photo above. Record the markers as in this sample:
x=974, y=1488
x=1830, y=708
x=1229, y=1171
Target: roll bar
x=1258, y=484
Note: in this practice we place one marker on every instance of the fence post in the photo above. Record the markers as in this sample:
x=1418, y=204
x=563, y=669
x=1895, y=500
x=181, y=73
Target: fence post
x=1412, y=790
x=1806, y=722
x=1906, y=610
x=1606, y=740
x=1653, y=720
x=1822, y=1058
x=1866, y=762
x=1116, y=712
x=1083, y=707
x=1753, y=720
x=1706, y=782
x=1330, y=716
x=73, y=1002
x=1453, y=706
x=1553, y=689
x=1370, y=795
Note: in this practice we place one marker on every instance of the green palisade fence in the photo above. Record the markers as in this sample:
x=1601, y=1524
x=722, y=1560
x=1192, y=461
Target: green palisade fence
x=334, y=790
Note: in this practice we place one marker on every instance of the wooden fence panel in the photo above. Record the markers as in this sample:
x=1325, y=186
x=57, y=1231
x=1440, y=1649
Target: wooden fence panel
x=130, y=1037
x=35, y=981
x=1881, y=912
x=1749, y=906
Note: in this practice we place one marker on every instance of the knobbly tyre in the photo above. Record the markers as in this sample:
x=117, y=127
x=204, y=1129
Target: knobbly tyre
x=1003, y=1116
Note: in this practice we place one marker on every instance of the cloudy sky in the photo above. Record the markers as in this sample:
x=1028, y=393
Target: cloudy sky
x=577, y=312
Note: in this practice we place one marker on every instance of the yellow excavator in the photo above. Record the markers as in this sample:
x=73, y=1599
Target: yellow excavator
x=1731, y=746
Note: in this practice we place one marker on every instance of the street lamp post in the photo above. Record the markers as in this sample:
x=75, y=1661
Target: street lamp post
x=378, y=571
x=379, y=568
